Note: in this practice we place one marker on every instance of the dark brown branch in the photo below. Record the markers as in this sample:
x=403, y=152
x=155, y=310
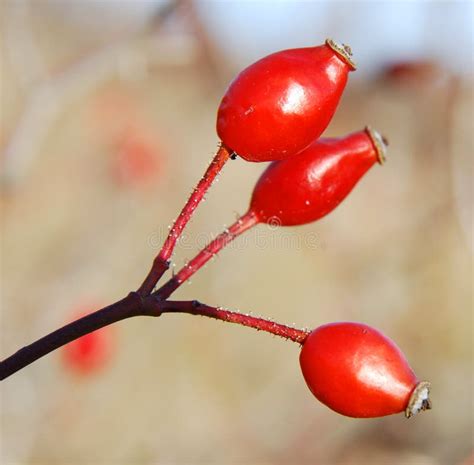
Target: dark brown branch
x=125, y=308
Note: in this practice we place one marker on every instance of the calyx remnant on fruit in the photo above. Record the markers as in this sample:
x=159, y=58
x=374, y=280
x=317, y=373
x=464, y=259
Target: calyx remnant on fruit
x=419, y=400
x=344, y=51
x=380, y=144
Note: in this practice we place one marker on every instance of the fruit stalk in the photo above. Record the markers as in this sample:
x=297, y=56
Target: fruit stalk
x=243, y=224
x=161, y=262
x=260, y=324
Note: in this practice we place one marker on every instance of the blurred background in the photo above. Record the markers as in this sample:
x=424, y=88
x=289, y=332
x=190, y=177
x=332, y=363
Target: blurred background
x=107, y=121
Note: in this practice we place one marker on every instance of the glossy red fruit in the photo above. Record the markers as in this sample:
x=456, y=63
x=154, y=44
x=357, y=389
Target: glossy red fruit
x=90, y=353
x=309, y=185
x=277, y=106
x=357, y=371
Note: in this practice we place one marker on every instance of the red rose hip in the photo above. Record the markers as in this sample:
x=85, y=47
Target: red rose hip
x=357, y=371
x=311, y=184
x=280, y=104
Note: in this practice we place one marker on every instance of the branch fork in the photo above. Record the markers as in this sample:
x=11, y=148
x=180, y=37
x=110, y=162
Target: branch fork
x=145, y=301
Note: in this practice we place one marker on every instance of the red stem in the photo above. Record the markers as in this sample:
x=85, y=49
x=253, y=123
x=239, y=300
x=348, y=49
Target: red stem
x=161, y=262
x=243, y=224
x=260, y=324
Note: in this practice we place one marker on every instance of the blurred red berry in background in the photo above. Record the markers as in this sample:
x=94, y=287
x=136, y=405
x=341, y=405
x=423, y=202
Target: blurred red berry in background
x=137, y=159
x=92, y=353
x=414, y=74
x=129, y=138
